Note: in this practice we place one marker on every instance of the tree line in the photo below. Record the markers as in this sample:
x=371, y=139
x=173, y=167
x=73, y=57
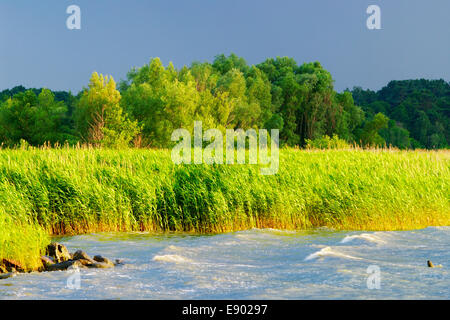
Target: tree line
x=419, y=112
x=299, y=100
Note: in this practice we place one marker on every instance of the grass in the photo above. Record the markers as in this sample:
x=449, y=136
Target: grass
x=21, y=241
x=69, y=191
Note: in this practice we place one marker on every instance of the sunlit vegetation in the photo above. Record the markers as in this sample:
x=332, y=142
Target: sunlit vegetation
x=297, y=99
x=71, y=191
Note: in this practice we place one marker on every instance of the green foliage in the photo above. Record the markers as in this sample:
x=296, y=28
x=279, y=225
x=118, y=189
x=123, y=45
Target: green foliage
x=225, y=64
x=369, y=135
x=395, y=135
x=21, y=241
x=73, y=190
x=420, y=109
x=297, y=99
x=21, y=238
x=344, y=117
x=277, y=94
x=36, y=119
x=100, y=119
x=326, y=142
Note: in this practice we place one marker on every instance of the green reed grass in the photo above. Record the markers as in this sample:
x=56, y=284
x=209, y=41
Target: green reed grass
x=70, y=191
x=21, y=241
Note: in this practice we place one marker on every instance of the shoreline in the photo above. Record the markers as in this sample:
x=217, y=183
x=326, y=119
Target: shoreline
x=58, y=258
x=263, y=226
x=68, y=191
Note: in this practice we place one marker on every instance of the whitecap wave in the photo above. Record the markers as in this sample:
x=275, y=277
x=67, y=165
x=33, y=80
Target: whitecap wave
x=272, y=230
x=174, y=258
x=363, y=236
x=327, y=251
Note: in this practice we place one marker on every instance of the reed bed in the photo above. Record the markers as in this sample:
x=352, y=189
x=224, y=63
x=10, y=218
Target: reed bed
x=46, y=191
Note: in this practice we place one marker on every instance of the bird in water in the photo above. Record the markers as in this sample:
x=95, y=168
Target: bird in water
x=431, y=265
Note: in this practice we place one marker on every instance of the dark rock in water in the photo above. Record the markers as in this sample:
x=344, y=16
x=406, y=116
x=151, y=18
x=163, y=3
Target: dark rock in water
x=65, y=265
x=118, y=262
x=58, y=252
x=81, y=255
x=46, y=261
x=58, y=258
x=98, y=262
x=101, y=265
x=86, y=263
x=12, y=265
x=431, y=265
x=104, y=260
x=7, y=275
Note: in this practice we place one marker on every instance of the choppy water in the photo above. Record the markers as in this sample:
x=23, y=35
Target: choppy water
x=254, y=264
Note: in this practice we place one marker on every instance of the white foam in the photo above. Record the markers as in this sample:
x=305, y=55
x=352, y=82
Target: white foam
x=171, y=258
x=363, y=236
x=272, y=230
x=327, y=251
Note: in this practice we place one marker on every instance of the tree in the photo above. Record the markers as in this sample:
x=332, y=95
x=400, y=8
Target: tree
x=299, y=100
x=419, y=106
x=35, y=119
x=162, y=100
x=224, y=64
x=343, y=117
x=100, y=119
x=370, y=136
x=259, y=92
x=237, y=112
x=318, y=91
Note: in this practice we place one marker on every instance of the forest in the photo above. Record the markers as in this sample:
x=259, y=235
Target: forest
x=298, y=99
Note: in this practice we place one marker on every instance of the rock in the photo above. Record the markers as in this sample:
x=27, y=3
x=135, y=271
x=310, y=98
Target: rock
x=65, y=265
x=86, y=263
x=7, y=275
x=100, y=265
x=47, y=261
x=58, y=252
x=76, y=265
x=81, y=255
x=12, y=265
x=58, y=258
x=431, y=265
x=118, y=262
x=103, y=260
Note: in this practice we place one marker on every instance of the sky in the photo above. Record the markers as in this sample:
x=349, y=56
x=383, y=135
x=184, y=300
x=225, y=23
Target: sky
x=38, y=50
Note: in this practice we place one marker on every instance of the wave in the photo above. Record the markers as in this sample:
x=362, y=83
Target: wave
x=171, y=258
x=327, y=251
x=363, y=236
x=273, y=230
x=257, y=233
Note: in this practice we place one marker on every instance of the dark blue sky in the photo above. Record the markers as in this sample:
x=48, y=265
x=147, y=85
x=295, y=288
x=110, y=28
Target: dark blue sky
x=37, y=50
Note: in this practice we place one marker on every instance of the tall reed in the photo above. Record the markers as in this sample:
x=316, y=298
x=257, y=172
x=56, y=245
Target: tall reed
x=70, y=191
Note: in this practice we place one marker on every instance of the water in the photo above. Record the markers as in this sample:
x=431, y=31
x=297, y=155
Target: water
x=254, y=264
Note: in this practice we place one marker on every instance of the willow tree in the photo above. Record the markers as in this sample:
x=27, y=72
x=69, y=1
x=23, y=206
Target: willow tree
x=318, y=93
x=99, y=117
